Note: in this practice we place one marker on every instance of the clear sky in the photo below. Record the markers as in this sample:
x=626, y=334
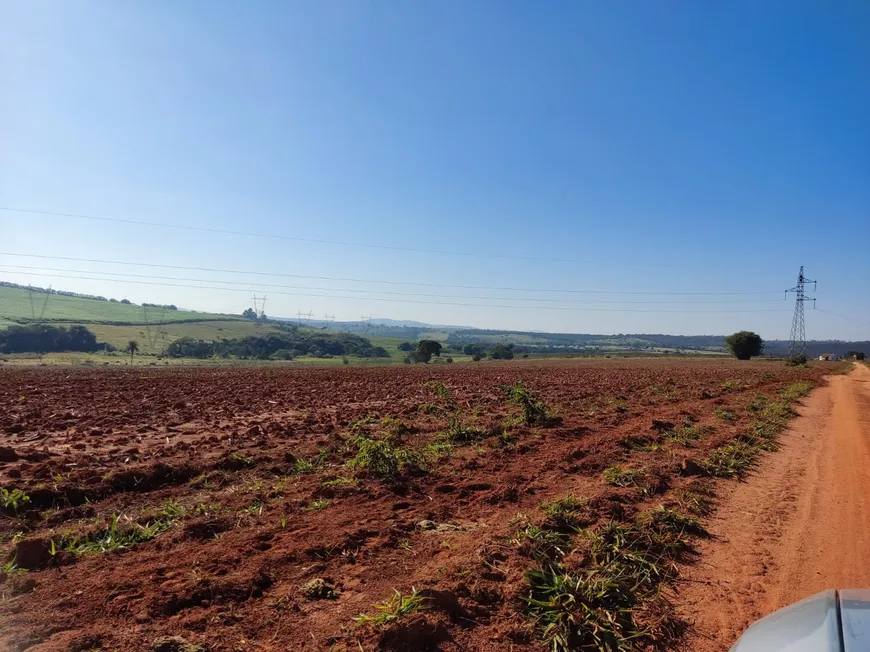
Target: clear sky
x=618, y=147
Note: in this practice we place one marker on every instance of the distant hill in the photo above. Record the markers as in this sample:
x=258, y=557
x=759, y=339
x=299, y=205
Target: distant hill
x=21, y=304
x=117, y=321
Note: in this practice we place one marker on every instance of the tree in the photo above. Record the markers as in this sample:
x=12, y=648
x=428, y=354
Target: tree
x=426, y=349
x=249, y=314
x=125, y=301
x=405, y=346
x=131, y=348
x=474, y=349
x=745, y=344
x=857, y=355
x=502, y=352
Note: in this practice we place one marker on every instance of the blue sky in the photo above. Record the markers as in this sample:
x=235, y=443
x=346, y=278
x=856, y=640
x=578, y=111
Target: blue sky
x=682, y=147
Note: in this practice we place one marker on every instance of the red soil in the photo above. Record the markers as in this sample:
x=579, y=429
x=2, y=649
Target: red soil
x=87, y=444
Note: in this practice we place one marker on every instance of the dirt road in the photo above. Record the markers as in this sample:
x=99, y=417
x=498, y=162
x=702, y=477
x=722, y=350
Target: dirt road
x=799, y=525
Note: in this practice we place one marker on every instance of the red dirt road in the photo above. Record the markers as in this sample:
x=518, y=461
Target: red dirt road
x=799, y=525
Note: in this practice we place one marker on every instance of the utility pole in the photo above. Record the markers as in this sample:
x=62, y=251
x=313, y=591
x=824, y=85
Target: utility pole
x=798, y=345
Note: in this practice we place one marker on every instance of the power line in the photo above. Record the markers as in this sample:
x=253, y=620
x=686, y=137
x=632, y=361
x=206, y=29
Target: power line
x=857, y=319
x=411, y=294
x=437, y=303
x=385, y=282
x=344, y=243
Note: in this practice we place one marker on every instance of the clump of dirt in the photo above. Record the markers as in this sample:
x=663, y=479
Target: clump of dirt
x=319, y=589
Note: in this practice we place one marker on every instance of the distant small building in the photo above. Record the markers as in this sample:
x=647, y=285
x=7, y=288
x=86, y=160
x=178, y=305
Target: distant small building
x=830, y=357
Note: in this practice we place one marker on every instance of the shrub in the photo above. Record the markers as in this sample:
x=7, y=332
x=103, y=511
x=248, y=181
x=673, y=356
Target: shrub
x=744, y=344
x=379, y=457
x=534, y=410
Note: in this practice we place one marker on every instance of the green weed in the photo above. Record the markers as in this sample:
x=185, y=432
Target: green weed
x=796, y=390
x=439, y=449
x=440, y=390
x=394, y=609
x=725, y=415
x=379, y=457
x=590, y=609
x=568, y=512
x=242, y=460
x=732, y=459
x=696, y=498
x=13, y=499
x=337, y=482
x=302, y=466
x=11, y=568
x=119, y=535
x=317, y=505
x=541, y=543
x=686, y=434
x=621, y=476
x=535, y=412
x=460, y=433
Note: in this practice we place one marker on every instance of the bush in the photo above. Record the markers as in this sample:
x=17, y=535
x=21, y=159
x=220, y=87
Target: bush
x=476, y=357
x=405, y=346
x=474, y=349
x=502, y=352
x=744, y=344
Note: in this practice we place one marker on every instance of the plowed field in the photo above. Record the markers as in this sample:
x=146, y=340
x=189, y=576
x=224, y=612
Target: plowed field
x=224, y=506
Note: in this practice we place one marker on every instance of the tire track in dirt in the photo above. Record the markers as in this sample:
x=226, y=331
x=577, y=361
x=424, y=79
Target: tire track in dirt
x=798, y=525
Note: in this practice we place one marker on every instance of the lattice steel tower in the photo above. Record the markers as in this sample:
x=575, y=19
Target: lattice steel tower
x=798, y=345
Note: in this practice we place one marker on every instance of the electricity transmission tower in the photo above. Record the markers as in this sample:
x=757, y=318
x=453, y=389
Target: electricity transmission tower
x=367, y=321
x=798, y=344
x=328, y=319
x=260, y=306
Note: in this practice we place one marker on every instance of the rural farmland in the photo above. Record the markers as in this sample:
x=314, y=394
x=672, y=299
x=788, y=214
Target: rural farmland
x=411, y=507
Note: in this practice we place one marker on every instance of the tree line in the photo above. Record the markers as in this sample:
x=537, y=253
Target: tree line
x=44, y=338
x=277, y=346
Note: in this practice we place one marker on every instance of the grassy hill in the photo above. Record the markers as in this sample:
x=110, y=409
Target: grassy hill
x=15, y=305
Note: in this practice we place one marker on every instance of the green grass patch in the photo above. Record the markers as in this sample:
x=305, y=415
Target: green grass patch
x=732, y=459
x=725, y=415
x=796, y=391
x=119, y=535
x=394, y=609
x=605, y=604
x=696, y=498
x=621, y=476
x=566, y=513
x=685, y=434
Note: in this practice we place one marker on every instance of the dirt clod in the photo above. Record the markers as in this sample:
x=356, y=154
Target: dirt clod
x=319, y=589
